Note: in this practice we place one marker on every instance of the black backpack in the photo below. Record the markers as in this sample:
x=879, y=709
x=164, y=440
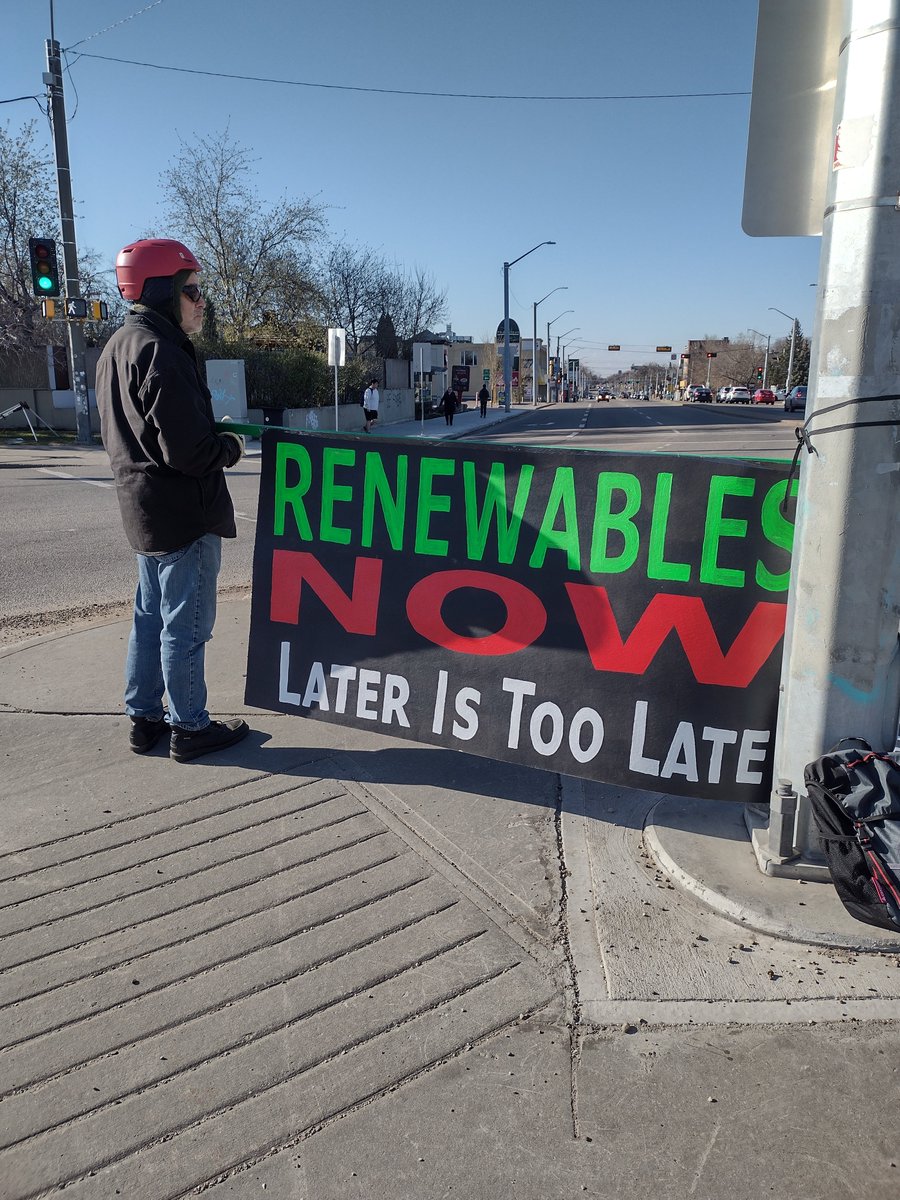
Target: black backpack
x=855, y=797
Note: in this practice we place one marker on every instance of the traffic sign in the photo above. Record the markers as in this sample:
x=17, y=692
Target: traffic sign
x=663, y=349
x=486, y=374
x=614, y=347
x=76, y=308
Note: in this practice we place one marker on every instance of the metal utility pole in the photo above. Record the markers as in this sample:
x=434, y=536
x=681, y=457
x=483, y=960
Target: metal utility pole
x=768, y=338
x=77, y=372
x=841, y=666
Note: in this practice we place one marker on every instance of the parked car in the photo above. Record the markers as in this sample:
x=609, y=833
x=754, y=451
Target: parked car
x=722, y=393
x=739, y=395
x=702, y=393
x=763, y=396
x=796, y=398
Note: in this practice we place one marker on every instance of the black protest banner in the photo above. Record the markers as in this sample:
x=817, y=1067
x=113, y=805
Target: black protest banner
x=618, y=617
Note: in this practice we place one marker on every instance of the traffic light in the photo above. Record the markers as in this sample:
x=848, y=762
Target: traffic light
x=44, y=269
x=759, y=373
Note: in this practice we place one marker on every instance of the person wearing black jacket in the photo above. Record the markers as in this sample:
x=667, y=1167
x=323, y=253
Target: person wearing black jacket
x=168, y=461
x=447, y=405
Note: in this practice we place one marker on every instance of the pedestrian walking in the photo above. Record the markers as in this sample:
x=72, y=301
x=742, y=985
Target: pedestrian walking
x=370, y=404
x=447, y=405
x=168, y=461
x=484, y=397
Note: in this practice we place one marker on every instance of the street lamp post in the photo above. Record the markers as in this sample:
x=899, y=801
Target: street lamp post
x=534, y=350
x=768, y=338
x=568, y=347
x=549, y=323
x=793, y=321
x=507, y=362
x=558, y=359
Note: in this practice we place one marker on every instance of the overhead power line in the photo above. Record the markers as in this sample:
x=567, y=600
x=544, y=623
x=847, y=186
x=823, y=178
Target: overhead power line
x=116, y=24
x=348, y=87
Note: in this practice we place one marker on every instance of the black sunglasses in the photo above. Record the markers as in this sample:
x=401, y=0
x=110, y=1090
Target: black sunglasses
x=192, y=291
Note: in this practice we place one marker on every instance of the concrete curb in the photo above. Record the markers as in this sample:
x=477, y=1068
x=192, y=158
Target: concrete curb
x=674, y=835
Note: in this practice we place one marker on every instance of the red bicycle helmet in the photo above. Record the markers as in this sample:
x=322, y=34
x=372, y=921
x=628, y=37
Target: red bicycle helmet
x=149, y=259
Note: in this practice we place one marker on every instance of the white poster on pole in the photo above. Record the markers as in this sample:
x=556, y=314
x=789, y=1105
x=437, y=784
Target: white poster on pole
x=337, y=347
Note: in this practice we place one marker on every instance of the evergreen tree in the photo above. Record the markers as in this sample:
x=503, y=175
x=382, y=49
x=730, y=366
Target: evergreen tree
x=385, y=337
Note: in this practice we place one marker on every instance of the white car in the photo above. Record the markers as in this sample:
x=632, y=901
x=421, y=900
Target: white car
x=739, y=395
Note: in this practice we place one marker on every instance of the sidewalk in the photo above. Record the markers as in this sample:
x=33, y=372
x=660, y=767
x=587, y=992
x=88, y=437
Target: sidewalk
x=331, y=964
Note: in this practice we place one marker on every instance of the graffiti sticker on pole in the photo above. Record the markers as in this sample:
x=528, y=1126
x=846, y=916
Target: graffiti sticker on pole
x=611, y=616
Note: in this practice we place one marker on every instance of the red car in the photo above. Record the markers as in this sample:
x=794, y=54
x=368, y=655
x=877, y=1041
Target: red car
x=763, y=396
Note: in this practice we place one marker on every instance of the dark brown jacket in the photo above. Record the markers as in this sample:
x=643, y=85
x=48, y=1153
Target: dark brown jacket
x=157, y=425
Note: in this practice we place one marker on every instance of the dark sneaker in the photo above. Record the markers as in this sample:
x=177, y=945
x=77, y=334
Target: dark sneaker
x=187, y=744
x=145, y=733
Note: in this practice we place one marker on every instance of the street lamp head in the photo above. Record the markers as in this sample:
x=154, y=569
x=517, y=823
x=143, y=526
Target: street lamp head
x=783, y=313
x=562, y=288
x=507, y=265
x=564, y=313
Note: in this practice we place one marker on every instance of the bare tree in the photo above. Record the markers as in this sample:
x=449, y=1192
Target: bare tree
x=361, y=289
x=27, y=209
x=351, y=280
x=417, y=303
x=255, y=257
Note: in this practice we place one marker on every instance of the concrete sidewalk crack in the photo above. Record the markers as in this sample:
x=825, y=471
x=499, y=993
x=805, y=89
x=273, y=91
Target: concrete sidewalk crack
x=573, y=995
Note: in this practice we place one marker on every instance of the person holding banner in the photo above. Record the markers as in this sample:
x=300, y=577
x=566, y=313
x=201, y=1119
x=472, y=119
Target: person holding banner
x=168, y=461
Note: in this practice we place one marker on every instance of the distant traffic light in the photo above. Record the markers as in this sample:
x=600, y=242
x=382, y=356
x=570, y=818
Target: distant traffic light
x=44, y=269
x=759, y=374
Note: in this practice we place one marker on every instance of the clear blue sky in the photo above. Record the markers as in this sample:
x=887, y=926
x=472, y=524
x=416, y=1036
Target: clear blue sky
x=643, y=197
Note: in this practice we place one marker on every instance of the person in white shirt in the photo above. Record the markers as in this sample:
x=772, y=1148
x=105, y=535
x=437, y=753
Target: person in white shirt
x=370, y=404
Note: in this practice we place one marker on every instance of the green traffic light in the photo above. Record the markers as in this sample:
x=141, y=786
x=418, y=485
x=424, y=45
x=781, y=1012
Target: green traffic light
x=45, y=283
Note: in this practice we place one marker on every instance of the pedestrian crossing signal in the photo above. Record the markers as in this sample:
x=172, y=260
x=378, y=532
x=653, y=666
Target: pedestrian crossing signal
x=44, y=269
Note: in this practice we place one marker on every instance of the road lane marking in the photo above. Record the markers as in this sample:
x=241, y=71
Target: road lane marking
x=65, y=475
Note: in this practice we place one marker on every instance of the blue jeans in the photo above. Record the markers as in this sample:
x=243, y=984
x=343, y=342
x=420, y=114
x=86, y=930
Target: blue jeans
x=174, y=614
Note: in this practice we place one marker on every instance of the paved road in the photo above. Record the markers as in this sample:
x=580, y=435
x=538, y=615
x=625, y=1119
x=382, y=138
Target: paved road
x=628, y=425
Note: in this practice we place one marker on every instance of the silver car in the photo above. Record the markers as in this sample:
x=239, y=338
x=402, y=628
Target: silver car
x=795, y=399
